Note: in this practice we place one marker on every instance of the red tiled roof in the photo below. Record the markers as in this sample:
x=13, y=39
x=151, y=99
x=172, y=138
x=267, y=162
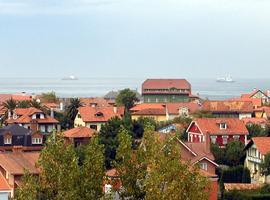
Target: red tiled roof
x=79, y=132
x=200, y=150
x=98, y=101
x=25, y=114
x=166, y=83
x=262, y=144
x=212, y=126
x=51, y=105
x=90, y=114
x=151, y=111
x=250, y=95
x=228, y=106
x=143, y=106
x=173, y=108
x=16, y=97
x=16, y=163
x=4, y=186
x=257, y=102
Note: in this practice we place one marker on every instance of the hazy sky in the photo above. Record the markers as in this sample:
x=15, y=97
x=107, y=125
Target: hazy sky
x=146, y=38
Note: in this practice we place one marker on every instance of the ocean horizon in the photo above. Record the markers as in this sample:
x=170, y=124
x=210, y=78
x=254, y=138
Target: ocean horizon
x=99, y=86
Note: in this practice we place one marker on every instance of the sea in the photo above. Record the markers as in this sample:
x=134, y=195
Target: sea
x=98, y=86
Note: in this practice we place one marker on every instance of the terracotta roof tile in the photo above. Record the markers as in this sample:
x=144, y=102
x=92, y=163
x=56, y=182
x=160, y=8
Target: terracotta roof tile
x=259, y=121
x=173, y=108
x=4, y=186
x=228, y=106
x=151, y=111
x=98, y=114
x=16, y=163
x=212, y=126
x=262, y=144
x=79, y=132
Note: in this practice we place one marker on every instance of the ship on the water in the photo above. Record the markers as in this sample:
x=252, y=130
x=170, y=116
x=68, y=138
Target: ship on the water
x=70, y=78
x=227, y=79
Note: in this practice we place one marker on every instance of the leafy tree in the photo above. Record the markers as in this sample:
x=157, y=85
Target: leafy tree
x=265, y=165
x=219, y=154
x=49, y=97
x=234, y=153
x=256, y=130
x=62, y=176
x=126, y=98
x=24, y=104
x=108, y=137
x=203, y=114
x=30, y=189
x=154, y=170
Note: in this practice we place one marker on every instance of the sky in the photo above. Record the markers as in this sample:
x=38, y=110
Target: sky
x=135, y=38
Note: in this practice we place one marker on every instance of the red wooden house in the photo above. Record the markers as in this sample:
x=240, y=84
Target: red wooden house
x=218, y=130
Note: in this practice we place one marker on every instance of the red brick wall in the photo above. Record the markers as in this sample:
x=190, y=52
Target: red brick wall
x=213, y=193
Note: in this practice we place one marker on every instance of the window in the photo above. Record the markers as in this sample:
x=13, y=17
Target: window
x=79, y=116
x=36, y=140
x=157, y=100
x=93, y=127
x=225, y=139
x=7, y=140
x=213, y=139
x=236, y=137
x=99, y=114
x=223, y=126
x=37, y=116
x=203, y=166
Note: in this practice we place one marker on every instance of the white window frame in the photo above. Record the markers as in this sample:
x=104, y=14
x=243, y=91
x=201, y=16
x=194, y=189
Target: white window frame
x=36, y=140
x=224, y=140
x=223, y=126
x=236, y=137
x=213, y=139
x=203, y=165
x=8, y=140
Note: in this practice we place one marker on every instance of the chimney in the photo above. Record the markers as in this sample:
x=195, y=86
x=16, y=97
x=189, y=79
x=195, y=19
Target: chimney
x=34, y=125
x=52, y=113
x=17, y=149
x=9, y=114
x=115, y=109
x=207, y=142
x=61, y=106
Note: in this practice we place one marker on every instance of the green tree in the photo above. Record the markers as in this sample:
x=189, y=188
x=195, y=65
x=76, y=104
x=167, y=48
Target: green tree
x=108, y=137
x=154, y=170
x=24, y=104
x=265, y=165
x=234, y=153
x=30, y=189
x=92, y=171
x=203, y=114
x=71, y=112
x=126, y=98
x=49, y=97
x=62, y=176
x=35, y=104
x=9, y=106
x=219, y=154
x=256, y=130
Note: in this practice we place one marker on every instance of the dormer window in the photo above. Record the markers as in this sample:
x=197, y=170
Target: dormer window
x=223, y=126
x=36, y=140
x=99, y=114
x=7, y=138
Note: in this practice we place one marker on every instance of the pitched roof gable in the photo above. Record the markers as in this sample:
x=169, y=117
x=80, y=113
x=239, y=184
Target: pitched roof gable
x=212, y=126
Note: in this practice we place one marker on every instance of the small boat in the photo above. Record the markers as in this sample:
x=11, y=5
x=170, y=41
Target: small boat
x=227, y=79
x=70, y=78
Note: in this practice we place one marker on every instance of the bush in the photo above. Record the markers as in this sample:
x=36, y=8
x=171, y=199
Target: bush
x=237, y=174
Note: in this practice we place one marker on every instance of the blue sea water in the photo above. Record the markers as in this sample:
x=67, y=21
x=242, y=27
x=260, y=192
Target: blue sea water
x=92, y=87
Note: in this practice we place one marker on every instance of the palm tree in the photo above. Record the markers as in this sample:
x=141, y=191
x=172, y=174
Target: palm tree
x=72, y=111
x=9, y=106
x=35, y=104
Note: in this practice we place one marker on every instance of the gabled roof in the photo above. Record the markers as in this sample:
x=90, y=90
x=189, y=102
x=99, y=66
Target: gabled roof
x=173, y=108
x=151, y=111
x=262, y=144
x=79, y=132
x=143, y=106
x=212, y=126
x=165, y=84
x=228, y=106
x=15, y=130
x=25, y=116
x=89, y=114
x=250, y=95
x=98, y=101
x=16, y=162
x=4, y=186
